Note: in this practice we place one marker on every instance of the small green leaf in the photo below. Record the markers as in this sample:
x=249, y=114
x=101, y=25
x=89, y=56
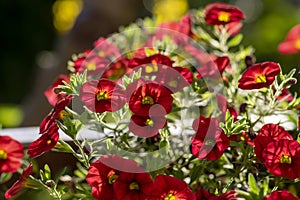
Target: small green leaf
x=236, y=40
x=252, y=184
x=47, y=172
x=4, y=177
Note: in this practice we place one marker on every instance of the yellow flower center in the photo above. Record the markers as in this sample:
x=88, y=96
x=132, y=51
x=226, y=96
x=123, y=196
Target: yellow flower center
x=147, y=100
x=134, y=186
x=3, y=154
x=91, y=67
x=112, y=177
x=101, y=53
x=102, y=95
x=149, y=122
x=224, y=16
x=170, y=197
x=173, y=83
x=242, y=138
x=261, y=79
x=285, y=159
x=62, y=114
x=209, y=142
x=49, y=142
x=297, y=43
x=151, y=68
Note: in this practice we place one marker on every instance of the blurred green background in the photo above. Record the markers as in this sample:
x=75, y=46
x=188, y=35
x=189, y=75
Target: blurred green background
x=32, y=31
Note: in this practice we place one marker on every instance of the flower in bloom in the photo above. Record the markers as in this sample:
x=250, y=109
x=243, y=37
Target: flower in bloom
x=130, y=186
x=146, y=126
x=52, y=95
x=76, y=64
x=58, y=112
x=291, y=44
x=221, y=14
x=210, y=140
x=213, y=69
x=151, y=99
x=282, y=158
x=281, y=195
x=166, y=187
x=259, y=75
x=104, y=172
x=45, y=142
x=11, y=153
x=104, y=48
x=268, y=133
x=19, y=184
x=116, y=69
x=103, y=95
x=242, y=137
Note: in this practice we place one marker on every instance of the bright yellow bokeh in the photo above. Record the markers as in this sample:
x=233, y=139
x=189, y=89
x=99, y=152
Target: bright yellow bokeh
x=169, y=10
x=65, y=13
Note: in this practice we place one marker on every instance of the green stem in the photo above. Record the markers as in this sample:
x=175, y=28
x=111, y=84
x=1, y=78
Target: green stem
x=84, y=159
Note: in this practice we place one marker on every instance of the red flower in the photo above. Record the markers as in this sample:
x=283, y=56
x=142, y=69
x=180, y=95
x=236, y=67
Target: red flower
x=268, y=133
x=146, y=126
x=210, y=140
x=106, y=49
x=168, y=187
x=45, y=142
x=103, y=173
x=282, y=158
x=285, y=95
x=103, y=95
x=94, y=64
x=213, y=69
x=174, y=78
x=52, y=95
x=19, y=184
x=151, y=99
x=224, y=106
x=116, y=69
x=234, y=28
x=58, y=112
x=259, y=75
x=281, y=195
x=76, y=64
x=291, y=44
x=205, y=195
x=11, y=153
x=133, y=186
x=221, y=14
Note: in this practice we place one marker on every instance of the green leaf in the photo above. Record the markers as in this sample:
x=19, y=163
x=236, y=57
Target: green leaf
x=236, y=40
x=252, y=184
x=4, y=177
x=47, y=172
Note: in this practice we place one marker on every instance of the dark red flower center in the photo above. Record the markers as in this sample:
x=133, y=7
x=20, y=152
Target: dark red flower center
x=3, y=154
x=261, y=79
x=147, y=100
x=224, y=16
x=102, y=95
x=134, y=186
x=285, y=159
x=149, y=122
x=170, y=196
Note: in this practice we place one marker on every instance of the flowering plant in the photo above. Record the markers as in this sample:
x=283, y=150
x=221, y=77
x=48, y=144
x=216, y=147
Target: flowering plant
x=177, y=110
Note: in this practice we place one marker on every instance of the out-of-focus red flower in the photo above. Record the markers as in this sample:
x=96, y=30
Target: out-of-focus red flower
x=168, y=187
x=11, y=153
x=291, y=44
x=19, y=184
x=182, y=26
x=103, y=95
x=268, y=133
x=104, y=172
x=58, y=112
x=116, y=69
x=282, y=158
x=104, y=48
x=210, y=141
x=281, y=195
x=221, y=14
x=146, y=126
x=53, y=96
x=130, y=186
x=45, y=142
x=234, y=28
x=213, y=69
x=174, y=78
x=224, y=106
x=242, y=137
x=76, y=64
x=259, y=75
x=151, y=99
x=204, y=195
x=285, y=95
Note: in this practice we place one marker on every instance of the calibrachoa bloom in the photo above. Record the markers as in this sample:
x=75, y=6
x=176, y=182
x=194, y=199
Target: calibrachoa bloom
x=151, y=99
x=45, y=142
x=213, y=69
x=281, y=195
x=103, y=95
x=19, y=184
x=291, y=44
x=11, y=153
x=267, y=134
x=52, y=95
x=146, y=126
x=282, y=158
x=210, y=141
x=168, y=188
x=221, y=14
x=224, y=106
x=259, y=75
x=104, y=172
